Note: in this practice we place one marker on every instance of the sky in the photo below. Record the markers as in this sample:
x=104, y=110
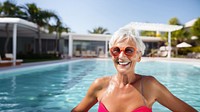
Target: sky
x=84, y=15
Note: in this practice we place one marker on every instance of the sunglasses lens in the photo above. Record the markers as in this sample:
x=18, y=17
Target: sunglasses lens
x=129, y=51
x=115, y=51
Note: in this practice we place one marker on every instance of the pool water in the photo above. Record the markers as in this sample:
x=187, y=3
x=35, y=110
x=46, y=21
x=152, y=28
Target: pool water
x=60, y=87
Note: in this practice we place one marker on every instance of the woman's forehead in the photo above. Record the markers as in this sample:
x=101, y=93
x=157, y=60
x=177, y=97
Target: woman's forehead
x=125, y=42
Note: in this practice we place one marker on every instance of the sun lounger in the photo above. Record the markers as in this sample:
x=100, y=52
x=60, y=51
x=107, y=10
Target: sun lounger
x=9, y=56
x=93, y=53
x=193, y=55
x=4, y=63
x=163, y=53
x=83, y=54
x=101, y=54
x=89, y=54
x=77, y=53
x=197, y=55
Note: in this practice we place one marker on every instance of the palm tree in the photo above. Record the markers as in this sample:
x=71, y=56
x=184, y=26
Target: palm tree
x=179, y=35
x=1, y=9
x=99, y=30
x=174, y=21
x=40, y=17
x=58, y=28
x=196, y=30
x=9, y=9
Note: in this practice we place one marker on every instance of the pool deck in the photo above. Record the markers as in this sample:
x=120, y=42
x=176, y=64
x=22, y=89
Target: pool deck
x=191, y=61
x=36, y=64
x=195, y=62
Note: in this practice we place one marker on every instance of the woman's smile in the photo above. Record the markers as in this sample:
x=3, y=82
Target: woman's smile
x=124, y=63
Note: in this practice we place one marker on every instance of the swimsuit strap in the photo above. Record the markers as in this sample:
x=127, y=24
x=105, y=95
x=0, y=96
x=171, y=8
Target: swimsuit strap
x=142, y=90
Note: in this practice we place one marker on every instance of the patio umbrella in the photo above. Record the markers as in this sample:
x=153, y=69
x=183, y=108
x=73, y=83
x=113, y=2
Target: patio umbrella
x=183, y=44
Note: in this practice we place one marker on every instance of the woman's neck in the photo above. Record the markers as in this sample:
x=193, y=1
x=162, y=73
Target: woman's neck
x=124, y=79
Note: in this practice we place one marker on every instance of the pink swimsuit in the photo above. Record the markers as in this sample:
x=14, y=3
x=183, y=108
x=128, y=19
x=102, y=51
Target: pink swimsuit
x=102, y=107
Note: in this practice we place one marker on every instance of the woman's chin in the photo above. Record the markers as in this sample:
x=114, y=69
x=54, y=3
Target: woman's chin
x=123, y=69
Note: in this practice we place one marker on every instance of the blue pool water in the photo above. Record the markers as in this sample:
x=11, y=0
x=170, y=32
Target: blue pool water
x=60, y=87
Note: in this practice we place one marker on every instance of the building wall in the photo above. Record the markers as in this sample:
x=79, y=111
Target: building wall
x=24, y=44
x=2, y=44
x=30, y=45
x=86, y=45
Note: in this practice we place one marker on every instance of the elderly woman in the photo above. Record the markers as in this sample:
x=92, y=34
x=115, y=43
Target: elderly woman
x=127, y=91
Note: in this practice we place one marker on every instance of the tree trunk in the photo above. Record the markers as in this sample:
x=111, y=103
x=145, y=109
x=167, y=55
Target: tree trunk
x=7, y=39
x=39, y=41
x=56, y=43
x=34, y=45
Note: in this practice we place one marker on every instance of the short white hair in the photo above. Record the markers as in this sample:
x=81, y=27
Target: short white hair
x=129, y=33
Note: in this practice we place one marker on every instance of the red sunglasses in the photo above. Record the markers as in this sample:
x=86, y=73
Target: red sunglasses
x=128, y=51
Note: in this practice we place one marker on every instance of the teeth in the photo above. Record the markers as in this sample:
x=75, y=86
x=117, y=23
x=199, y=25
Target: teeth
x=123, y=63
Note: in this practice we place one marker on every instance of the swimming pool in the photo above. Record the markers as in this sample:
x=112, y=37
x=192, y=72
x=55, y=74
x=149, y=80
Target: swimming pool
x=60, y=87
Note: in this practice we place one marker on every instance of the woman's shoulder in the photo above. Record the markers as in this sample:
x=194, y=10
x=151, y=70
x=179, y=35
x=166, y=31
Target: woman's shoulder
x=153, y=85
x=101, y=82
x=151, y=82
x=149, y=79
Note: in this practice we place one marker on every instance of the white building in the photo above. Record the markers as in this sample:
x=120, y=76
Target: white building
x=24, y=39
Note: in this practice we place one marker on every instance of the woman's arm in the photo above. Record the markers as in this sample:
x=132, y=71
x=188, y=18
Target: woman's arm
x=90, y=99
x=167, y=99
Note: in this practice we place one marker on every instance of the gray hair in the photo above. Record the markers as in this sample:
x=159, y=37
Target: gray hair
x=128, y=32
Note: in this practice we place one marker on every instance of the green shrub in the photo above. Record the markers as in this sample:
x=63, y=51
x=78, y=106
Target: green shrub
x=37, y=56
x=185, y=51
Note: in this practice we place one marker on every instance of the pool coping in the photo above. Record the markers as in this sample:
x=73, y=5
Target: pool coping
x=35, y=64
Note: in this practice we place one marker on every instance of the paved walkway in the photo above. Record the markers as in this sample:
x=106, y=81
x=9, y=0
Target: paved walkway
x=191, y=61
x=36, y=63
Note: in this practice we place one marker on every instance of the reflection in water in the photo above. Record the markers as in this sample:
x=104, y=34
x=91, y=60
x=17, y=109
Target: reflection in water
x=13, y=85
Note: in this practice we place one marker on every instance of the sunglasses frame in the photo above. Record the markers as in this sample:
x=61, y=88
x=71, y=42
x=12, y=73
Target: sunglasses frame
x=123, y=49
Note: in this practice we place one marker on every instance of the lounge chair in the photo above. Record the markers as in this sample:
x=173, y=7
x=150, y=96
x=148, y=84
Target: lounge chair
x=9, y=56
x=191, y=55
x=5, y=63
x=88, y=52
x=77, y=53
x=163, y=53
x=197, y=55
x=83, y=54
x=153, y=53
x=93, y=53
x=101, y=54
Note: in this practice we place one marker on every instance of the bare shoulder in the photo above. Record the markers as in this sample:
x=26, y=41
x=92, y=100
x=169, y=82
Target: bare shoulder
x=101, y=82
x=153, y=85
x=151, y=81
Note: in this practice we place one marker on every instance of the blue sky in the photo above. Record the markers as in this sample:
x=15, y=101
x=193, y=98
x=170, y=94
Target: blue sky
x=84, y=15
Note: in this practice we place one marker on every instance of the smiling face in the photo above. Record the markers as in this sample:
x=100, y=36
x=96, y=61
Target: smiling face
x=124, y=63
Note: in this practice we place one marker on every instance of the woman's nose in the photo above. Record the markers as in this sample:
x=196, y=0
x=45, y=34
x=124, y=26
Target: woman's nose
x=121, y=54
